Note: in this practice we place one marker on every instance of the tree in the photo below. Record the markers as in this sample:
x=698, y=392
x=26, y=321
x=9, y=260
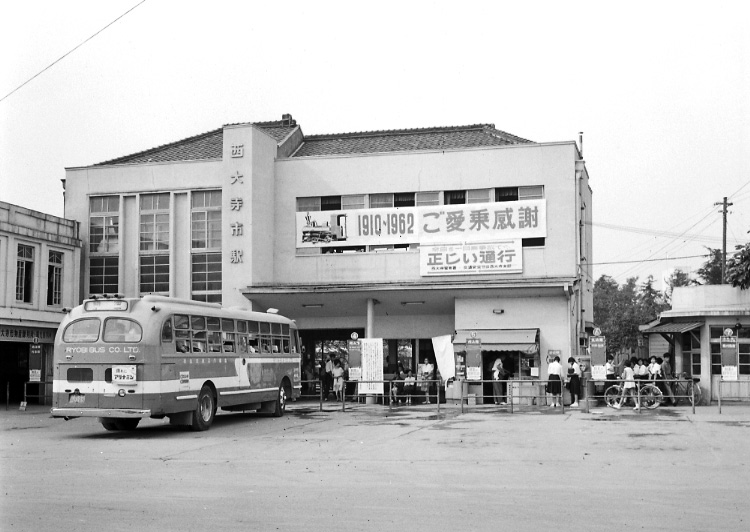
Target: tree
x=677, y=279
x=619, y=310
x=710, y=272
x=738, y=267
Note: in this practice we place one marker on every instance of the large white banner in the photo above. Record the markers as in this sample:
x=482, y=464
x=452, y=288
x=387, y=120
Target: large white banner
x=473, y=222
x=446, y=360
x=372, y=366
x=471, y=259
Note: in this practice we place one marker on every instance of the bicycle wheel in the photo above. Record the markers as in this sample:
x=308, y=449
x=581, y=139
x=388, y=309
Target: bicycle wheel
x=651, y=396
x=612, y=395
x=693, y=388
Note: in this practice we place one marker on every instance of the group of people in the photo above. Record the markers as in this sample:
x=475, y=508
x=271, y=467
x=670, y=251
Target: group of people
x=556, y=377
x=331, y=374
x=634, y=370
x=405, y=385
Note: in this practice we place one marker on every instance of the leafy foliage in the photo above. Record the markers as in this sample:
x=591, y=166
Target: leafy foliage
x=738, y=267
x=619, y=310
x=710, y=272
x=677, y=279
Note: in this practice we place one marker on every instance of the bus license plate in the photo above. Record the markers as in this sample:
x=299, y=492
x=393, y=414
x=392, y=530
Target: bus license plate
x=123, y=375
x=77, y=398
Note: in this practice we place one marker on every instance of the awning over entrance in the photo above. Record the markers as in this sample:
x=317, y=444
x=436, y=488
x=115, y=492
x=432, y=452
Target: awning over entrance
x=524, y=340
x=672, y=328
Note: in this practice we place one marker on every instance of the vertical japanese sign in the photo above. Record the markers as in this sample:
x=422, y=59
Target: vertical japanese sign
x=372, y=366
x=354, y=347
x=729, y=356
x=236, y=201
x=473, y=359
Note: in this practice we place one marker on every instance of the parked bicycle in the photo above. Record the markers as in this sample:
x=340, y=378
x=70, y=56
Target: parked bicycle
x=651, y=396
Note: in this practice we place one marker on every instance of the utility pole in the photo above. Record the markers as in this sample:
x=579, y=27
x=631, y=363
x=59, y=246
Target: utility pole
x=723, y=211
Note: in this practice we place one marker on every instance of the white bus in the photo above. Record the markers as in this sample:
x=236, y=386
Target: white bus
x=124, y=359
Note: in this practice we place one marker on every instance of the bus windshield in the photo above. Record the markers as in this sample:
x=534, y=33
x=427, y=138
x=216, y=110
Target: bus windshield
x=85, y=330
x=122, y=330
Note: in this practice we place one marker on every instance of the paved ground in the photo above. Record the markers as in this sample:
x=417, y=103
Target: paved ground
x=372, y=469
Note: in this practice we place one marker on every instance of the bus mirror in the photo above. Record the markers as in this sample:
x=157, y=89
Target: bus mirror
x=272, y=311
x=155, y=308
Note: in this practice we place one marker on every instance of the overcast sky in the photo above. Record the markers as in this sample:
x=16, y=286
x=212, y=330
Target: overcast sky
x=661, y=91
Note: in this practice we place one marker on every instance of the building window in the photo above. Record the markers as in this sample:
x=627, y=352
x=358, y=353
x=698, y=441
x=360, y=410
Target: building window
x=455, y=197
x=54, y=278
x=154, y=274
x=478, y=196
x=103, y=275
x=155, y=222
x=206, y=219
x=206, y=277
x=104, y=218
x=403, y=199
x=352, y=202
x=381, y=201
x=309, y=204
x=506, y=194
x=529, y=193
x=330, y=203
x=691, y=352
x=427, y=198
x=533, y=242
x=24, y=273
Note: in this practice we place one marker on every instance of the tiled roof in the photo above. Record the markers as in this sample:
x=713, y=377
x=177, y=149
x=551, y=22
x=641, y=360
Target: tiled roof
x=438, y=138
x=200, y=147
x=209, y=145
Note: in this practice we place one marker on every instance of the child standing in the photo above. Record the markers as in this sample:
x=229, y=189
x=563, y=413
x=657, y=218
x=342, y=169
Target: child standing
x=628, y=387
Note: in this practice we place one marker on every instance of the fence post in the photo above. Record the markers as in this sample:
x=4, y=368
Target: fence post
x=320, y=387
x=343, y=397
x=7, y=394
x=509, y=393
x=692, y=390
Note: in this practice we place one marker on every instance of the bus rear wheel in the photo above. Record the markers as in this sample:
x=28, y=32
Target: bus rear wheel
x=205, y=412
x=109, y=424
x=127, y=424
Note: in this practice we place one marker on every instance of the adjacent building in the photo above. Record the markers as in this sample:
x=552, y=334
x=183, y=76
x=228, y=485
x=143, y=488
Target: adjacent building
x=693, y=331
x=403, y=235
x=40, y=255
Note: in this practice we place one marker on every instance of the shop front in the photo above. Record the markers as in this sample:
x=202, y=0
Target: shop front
x=26, y=363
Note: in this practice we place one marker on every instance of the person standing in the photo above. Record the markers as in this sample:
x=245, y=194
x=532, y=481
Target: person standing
x=426, y=371
x=554, y=378
x=326, y=376
x=338, y=379
x=628, y=386
x=574, y=381
x=667, y=376
x=499, y=388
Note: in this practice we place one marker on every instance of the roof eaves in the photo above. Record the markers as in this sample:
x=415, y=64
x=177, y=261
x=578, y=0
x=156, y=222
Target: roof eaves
x=397, y=132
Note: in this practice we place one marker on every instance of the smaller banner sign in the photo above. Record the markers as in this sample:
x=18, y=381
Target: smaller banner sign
x=598, y=348
x=598, y=373
x=471, y=259
x=35, y=375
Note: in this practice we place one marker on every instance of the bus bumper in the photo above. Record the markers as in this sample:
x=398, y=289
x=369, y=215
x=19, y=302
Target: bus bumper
x=69, y=413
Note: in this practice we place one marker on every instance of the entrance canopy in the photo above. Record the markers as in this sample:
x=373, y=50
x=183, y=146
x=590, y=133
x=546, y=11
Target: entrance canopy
x=672, y=328
x=524, y=340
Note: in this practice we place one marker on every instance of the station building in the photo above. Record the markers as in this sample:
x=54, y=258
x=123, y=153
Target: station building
x=40, y=255
x=403, y=235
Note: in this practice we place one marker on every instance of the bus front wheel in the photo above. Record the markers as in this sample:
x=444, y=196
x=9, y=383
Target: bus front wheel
x=205, y=412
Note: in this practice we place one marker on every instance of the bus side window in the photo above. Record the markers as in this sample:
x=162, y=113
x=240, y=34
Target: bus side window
x=252, y=343
x=166, y=331
x=277, y=345
x=242, y=342
x=214, y=342
x=199, y=342
x=181, y=321
x=286, y=345
x=265, y=344
x=228, y=344
x=241, y=326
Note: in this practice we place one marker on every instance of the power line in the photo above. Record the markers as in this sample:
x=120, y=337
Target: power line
x=647, y=260
x=70, y=52
x=657, y=233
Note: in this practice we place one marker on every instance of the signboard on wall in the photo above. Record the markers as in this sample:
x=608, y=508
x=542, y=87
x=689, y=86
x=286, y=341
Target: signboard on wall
x=372, y=366
x=471, y=259
x=473, y=222
x=598, y=348
x=729, y=350
x=473, y=358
